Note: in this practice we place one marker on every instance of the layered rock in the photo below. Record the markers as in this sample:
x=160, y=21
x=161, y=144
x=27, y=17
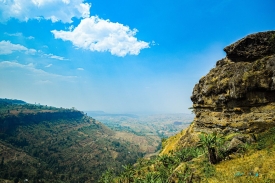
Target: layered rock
x=238, y=95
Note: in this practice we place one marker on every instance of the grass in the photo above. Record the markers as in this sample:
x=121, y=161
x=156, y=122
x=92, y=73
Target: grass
x=253, y=163
x=171, y=143
x=256, y=167
x=185, y=138
x=256, y=164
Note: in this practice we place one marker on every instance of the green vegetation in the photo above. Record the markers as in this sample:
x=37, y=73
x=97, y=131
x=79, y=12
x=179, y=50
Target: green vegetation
x=211, y=143
x=48, y=144
x=250, y=162
x=165, y=168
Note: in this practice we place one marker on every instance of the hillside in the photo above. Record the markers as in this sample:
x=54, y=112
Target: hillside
x=48, y=144
x=146, y=130
x=231, y=138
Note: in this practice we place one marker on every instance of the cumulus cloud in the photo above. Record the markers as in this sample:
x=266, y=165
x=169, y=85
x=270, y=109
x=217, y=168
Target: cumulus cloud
x=80, y=69
x=102, y=35
x=6, y=47
x=54, y=10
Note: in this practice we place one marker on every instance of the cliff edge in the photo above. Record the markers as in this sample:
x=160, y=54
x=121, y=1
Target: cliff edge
x=238, y=95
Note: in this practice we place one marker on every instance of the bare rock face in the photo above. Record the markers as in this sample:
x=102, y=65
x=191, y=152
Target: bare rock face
x=252, y=47
x=238, y=95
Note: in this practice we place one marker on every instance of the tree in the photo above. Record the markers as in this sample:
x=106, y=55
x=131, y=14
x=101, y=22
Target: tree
x=211, y=142
x=128, y=174
x=167, y=160
x=152, y=178
x=107, y=177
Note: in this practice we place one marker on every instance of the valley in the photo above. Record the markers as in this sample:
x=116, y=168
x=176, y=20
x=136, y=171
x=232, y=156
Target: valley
x=41, y=143
x=146, y=130
x=47, y=144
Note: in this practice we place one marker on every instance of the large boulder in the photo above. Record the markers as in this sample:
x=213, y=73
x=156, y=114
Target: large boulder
x=252, y=47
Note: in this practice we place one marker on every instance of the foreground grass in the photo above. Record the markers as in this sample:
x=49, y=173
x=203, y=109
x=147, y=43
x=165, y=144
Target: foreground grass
x=258, y=166
x=253, y=163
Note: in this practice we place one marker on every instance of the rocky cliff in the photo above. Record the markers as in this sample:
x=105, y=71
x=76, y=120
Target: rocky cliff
x=238, y=95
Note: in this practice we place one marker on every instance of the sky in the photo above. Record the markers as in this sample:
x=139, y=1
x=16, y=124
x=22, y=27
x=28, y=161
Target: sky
x=119, y=56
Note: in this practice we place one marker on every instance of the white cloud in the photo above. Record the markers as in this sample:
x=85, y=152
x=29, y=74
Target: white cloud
x=31, y=70
x=31, y=51
x=6, y=47
x=54, y=10
x=30, y=37
x=153, y=43
x=71, y=28
x=80, y=69
x=54, y=56
x=17, y=34
x=49, y=65
x=101, y=35
x=43, y=82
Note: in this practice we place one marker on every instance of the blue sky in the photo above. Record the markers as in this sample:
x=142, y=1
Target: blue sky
x=119, y=56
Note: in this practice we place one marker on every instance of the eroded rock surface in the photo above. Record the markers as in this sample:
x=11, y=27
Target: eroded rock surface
x=238, y=95
x=252, y=47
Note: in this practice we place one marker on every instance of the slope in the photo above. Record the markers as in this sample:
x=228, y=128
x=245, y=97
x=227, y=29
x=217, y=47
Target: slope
x=48, y=144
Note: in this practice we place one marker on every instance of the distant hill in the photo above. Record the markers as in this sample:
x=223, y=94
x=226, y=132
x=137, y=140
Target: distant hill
x=48, y=144
x=11, y=101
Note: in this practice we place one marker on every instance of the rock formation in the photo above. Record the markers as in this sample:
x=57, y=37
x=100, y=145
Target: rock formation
x=238, y=95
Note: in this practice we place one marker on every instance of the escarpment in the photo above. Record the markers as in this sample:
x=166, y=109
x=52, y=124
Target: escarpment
x=238, y=95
